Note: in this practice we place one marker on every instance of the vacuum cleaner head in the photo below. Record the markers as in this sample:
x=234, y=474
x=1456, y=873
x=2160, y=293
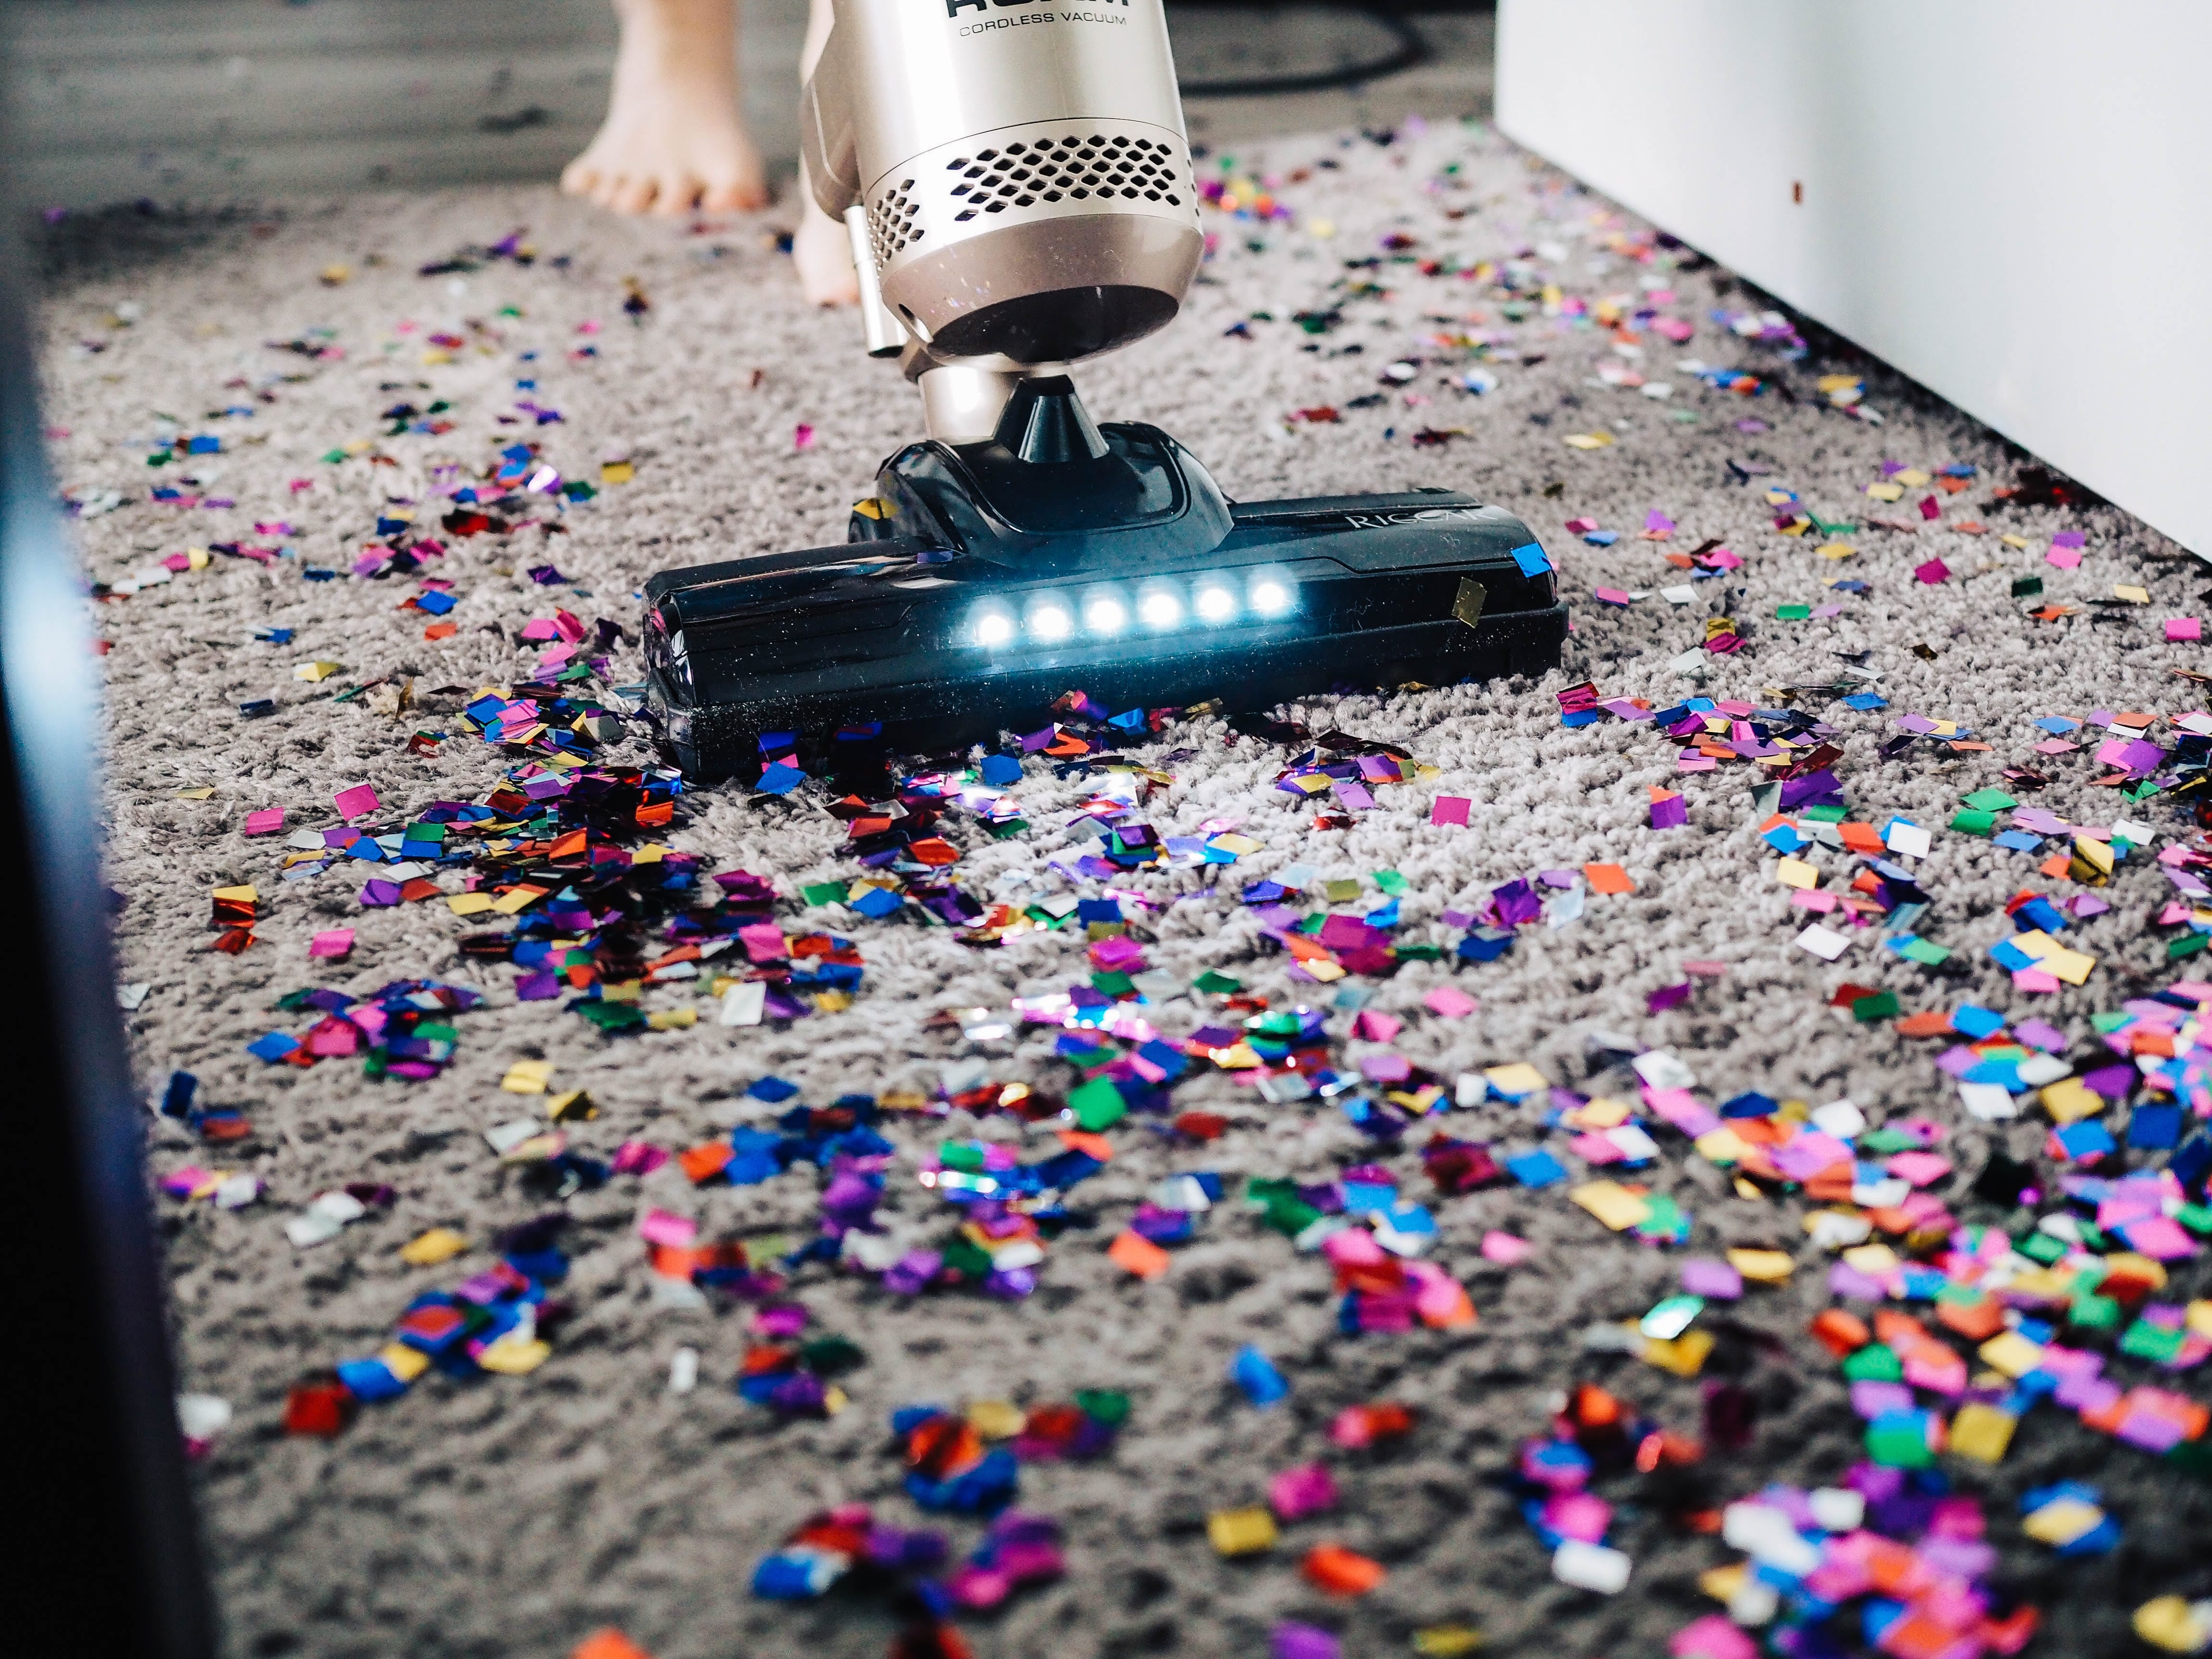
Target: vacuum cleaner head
x=983, y=580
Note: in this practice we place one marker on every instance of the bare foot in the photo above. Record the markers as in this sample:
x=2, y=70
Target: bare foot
x=673, y=142
x=823, y=254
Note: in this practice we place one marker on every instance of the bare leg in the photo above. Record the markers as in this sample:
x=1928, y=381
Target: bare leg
x=819, y=246
x=674, y=141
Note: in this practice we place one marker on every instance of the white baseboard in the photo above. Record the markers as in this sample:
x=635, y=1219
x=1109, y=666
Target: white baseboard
x=2007, y=199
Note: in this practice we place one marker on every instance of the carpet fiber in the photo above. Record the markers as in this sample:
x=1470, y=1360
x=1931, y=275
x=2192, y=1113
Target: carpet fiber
x=512, y=1516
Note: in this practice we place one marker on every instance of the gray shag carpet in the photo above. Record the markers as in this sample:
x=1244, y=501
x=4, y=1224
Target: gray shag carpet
x=514, y=1515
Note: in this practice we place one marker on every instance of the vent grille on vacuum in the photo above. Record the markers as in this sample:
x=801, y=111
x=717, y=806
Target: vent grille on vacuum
x=890, y=222
x=1071, y=169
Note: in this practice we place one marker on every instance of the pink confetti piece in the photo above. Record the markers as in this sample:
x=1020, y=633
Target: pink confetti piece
x=333, y=943
x=1450, y=808
x=2183, y=628
x=356, y=801
x=802, y=436
x=267, y=822
x=1450, y=1002
x=1505, y=1249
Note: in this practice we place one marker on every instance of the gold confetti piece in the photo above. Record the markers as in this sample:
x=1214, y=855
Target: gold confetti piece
x=617, y=472
x=1795, y=872
x=468, y=905
x=2132, y=594
x=403, y=1362
x=1519, y=1078
x=997, y=1419
x=1589, y=439
x=1241, y=1532
x=429, y=1249
x=1446, y=1641
x=1722, y=1583
x=1981, y=1432
x=1872, y=1260
x=335, y=276
x=1684, y=1355
x=317, y=672
x=573, y=1107
x=199, y=794
x=1722, y=1146
x=527, y=1076
x=512, y=1358
x=1835, y=550
x=2011, y=1353
x=673, y=1019
x=2169, y=1623
x=1765, y=1267
x=2062, y=1521
x=1612, y=1204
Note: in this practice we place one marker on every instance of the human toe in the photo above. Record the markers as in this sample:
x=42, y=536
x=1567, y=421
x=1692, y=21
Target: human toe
x=737, y=193
x=674, y=196
x=634, y=195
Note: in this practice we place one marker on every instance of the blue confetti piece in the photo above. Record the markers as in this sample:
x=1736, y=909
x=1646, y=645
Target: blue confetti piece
x=1254, y=1373
x=1975, y=1021
x=779, y=780
x=1535, y=1169
x=878, y=902
x=272, y=1048
x=1001, y=771
x=1530, y=557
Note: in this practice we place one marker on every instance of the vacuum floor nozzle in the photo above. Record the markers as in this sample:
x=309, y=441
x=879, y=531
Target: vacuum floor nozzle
x=982, y=580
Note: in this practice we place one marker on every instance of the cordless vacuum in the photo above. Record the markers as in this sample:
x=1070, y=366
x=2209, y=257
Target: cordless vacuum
x=1019, y=192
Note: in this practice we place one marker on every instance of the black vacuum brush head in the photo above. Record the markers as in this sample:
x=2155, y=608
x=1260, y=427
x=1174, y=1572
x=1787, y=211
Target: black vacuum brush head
x=982, y=580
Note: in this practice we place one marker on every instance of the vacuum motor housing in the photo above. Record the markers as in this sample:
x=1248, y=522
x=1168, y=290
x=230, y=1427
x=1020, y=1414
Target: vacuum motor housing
x=1027, y=179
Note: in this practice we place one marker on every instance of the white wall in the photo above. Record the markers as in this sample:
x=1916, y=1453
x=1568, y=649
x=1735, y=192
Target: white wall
x=2008, y=200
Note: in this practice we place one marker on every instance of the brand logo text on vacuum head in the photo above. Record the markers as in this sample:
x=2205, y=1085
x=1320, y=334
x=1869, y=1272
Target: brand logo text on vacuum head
x=954, y=7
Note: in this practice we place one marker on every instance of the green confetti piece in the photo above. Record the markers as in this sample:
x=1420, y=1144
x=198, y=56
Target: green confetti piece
x=1877, y=1361
x=1823, y=814
x=825, y=892
x=1097, y=1104
x=2187, y=945
x=2024, y=587
x=1883, y=1005
x=1792, y=612
x=963, y=1255
x=2145, y=1340
x=1116, y=986
x=1391, y=883
x=1991, y=800
x=1924, y=951
x=1107, y=1406
x=1888, y=1140
x=1898, y=1443
x=1968, y=822
x=1217, y=985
